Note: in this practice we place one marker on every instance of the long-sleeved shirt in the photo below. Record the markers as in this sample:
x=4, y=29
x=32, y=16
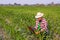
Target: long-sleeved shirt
x=43, y=24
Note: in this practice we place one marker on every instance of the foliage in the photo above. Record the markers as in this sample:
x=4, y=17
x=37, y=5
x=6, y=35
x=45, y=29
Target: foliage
x=16, y=19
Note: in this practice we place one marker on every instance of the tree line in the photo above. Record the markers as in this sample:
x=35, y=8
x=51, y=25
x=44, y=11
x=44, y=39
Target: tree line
x=15, y=4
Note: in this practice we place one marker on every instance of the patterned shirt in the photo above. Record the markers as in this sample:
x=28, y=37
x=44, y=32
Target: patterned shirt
x=43, y=24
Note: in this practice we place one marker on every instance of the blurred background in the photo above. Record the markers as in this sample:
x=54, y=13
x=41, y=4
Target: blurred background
x=17, y=15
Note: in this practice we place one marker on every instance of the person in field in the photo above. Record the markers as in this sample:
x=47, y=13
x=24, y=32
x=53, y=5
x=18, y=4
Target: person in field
x=41, y=25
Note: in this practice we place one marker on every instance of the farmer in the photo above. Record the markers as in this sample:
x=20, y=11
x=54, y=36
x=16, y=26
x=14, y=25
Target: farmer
x=41, y=24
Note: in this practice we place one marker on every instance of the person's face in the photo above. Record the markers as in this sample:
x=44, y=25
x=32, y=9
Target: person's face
x=40, y=18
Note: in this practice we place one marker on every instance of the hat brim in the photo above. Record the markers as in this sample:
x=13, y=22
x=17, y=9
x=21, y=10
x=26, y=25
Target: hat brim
x=38, y=16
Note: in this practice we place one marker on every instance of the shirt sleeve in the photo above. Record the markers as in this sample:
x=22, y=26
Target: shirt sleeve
x=36, y=24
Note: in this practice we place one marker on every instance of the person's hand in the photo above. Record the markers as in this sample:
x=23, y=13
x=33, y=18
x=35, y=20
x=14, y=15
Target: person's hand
x=42, y=30
x=37, y=32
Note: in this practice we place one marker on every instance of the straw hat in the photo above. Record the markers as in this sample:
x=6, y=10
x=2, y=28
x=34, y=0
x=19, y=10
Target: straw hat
x=39, y=14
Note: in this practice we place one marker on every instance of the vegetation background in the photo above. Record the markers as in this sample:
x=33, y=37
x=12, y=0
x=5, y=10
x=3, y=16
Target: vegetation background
x=15, y=20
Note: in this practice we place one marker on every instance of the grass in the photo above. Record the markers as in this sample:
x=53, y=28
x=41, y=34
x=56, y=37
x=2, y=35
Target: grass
x=16, y=19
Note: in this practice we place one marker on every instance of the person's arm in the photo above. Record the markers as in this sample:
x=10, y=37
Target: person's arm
x=36, y=24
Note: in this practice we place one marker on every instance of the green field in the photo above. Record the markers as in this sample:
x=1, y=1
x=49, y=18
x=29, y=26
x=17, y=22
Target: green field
x=15, y=20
